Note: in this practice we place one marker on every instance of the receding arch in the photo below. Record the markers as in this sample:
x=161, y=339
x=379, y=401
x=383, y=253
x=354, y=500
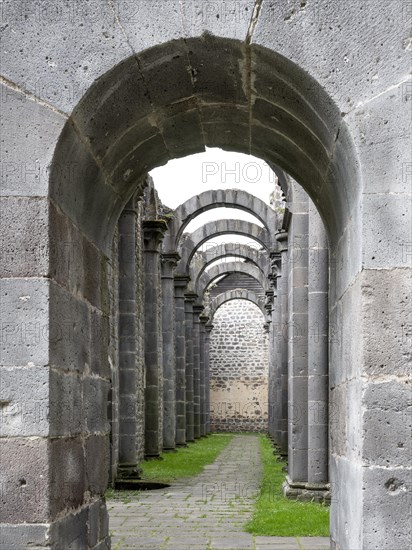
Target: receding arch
x=236, y=250
x=221, y=227
x=204, y=280
x=235, y=294
x=229, y=198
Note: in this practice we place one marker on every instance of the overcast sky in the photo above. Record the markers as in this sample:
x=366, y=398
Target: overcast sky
x=181, y=179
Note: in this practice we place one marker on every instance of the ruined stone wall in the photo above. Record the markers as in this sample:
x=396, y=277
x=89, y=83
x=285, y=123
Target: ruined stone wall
x=239, y=368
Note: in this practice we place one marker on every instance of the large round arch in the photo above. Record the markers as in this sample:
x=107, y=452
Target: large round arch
x=126, y=124
x=206, y=232
x=235, y=294
x=206, y=279
x=229, y=198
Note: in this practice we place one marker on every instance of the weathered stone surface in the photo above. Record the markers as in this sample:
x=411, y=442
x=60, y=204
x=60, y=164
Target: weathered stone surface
x=26, y=482
x=23, y=412
x=69, y=330
x=24, y=243
x=24, y=311
x=21, y=536
x=67, y=474
x=29, y=132
x=79, y=43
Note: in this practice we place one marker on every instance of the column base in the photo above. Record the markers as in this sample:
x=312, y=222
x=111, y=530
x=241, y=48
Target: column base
x=129, y=471
x=307, y=492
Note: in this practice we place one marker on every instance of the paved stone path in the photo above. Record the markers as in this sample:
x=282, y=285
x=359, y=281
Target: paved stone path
x=205, y=512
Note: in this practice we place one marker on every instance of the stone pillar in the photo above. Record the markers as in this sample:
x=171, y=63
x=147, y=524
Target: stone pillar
x=202, y=352
x=189, y=300
x=208, y=328
x=128, y=420
x=275, y=400
x=153, y=235
x=197, y=310
x=282, y=324
x=298, y=348
x=318, y=365
x=169, y=262
x=180, y=343
x=269, y=307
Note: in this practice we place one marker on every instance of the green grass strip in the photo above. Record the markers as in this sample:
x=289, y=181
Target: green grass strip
x=187, y=461
x=275, y=515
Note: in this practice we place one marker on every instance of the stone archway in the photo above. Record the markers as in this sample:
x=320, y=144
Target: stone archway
x=250, y=89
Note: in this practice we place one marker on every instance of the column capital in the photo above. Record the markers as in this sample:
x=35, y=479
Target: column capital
x=169, y=263
x=197, y=310
x=181, y=281
x=153, y=233
x=191, y=297
x=203, y=319
x=282, y=238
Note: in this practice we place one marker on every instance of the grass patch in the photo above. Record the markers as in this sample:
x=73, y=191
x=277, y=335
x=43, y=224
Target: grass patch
x=275, y=515
x=187, y=461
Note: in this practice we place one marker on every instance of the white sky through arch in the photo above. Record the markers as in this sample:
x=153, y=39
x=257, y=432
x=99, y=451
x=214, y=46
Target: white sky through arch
x=181, y=179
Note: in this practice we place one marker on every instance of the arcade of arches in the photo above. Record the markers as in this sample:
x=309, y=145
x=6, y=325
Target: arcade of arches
x=107, y=303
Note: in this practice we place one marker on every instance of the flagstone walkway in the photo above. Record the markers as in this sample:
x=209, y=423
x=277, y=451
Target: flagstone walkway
x=205, y=512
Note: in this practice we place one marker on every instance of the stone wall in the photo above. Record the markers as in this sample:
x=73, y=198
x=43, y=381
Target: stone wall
x=239, y=368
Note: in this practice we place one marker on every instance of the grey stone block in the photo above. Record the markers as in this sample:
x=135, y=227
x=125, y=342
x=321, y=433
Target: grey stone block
x=67, y=474
x=71, y=531
x=25, y=480
x=386, y=318
x=387, y=507
x=150, y=22
x=55, y=70
x=381, y=130
x=183, y=135
x=353, y=81
x=217, y=71
x=100, y=337
x=69, y=330
x=95, y=395
x=29, y=132
x=97, y=463
x=23, y=412
x=81, y=190
x=226, y=19
x=67, y=409
x=387, y=229
x=24, y=311
x=24, y=245
x=23, y=536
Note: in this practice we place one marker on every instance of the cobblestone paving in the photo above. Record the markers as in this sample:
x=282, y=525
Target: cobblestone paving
x=205, y=512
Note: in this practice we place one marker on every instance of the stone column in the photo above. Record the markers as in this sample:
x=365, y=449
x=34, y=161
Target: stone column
x=197, y=310
x=282, y=324
x=318, y=365
x=208, y=328
x=272, y=362
x=169, y=262
x=189, y=300
x=298, y=348
x=153, y=235
x=128, y=427
x=275, y=402
x=180, y=342
x=202, y=352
